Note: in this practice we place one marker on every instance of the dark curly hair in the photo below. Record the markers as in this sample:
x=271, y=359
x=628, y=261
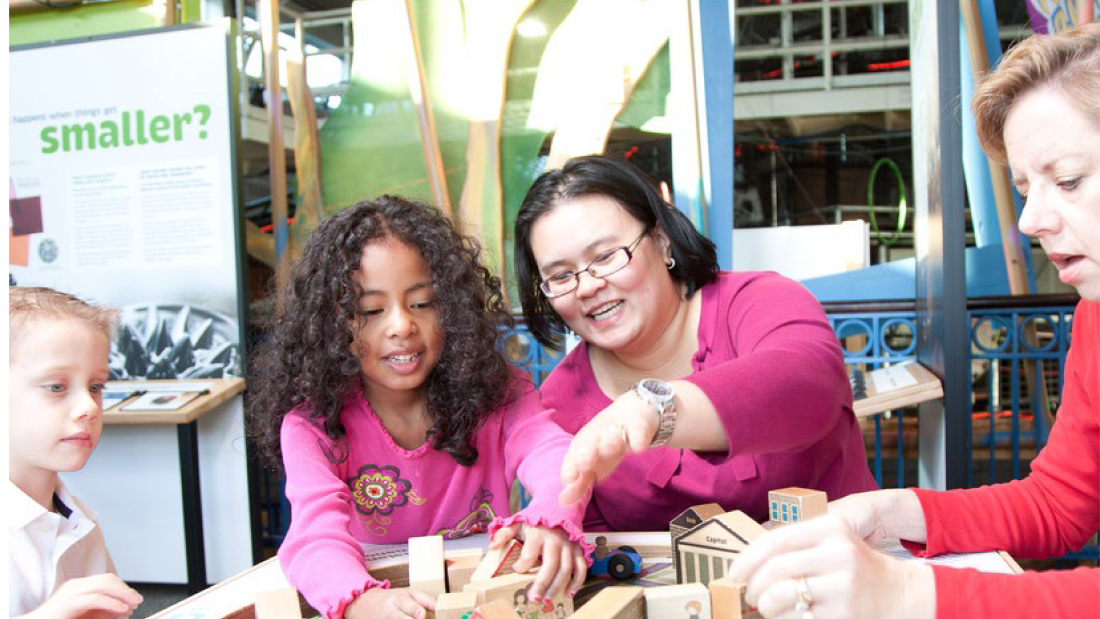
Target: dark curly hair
x=620, y=180
x=307, y=360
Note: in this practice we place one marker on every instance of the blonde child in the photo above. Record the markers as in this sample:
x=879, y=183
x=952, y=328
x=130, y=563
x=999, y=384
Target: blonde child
x=397, y=416
x=58, y=565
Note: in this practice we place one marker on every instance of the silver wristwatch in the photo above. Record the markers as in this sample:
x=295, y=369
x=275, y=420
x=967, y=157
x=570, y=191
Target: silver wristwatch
x=660, y=395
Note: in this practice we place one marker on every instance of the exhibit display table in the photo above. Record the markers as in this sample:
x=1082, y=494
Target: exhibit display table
x=171, y=486
x=234, y=597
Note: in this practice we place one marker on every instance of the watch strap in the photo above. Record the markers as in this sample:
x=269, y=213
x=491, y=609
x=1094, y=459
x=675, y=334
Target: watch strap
x=664, y=405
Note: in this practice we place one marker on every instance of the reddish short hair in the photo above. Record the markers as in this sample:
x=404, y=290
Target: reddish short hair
x=1068, y=62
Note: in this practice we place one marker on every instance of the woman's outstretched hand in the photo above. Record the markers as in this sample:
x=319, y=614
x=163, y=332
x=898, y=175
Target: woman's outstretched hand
x=627, y=425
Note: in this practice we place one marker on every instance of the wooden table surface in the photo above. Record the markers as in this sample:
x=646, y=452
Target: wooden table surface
x=221, y=390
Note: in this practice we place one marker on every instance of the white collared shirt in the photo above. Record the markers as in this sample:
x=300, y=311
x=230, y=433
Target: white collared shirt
x=46, y=548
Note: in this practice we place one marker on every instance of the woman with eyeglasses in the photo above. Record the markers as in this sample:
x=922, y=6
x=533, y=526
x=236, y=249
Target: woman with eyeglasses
x=709, y=386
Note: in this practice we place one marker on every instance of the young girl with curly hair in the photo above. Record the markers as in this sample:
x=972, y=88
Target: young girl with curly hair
x=382, y=393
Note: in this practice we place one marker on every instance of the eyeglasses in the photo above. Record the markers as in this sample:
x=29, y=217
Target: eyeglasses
x=611, y=261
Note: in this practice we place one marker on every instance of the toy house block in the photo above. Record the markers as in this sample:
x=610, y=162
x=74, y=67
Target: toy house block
x=727, y=600
x=427, y=572
x=278, y=604
x=497, y=562
x=614, y=603
x=454, y=605
x=693, y=517
x=459, y=571
x=502, y=587
x=705, y=552
x=788, y=505
x=690, y=601
x=497, y=609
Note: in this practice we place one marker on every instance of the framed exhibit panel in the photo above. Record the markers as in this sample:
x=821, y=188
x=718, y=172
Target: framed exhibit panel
x=123, y=191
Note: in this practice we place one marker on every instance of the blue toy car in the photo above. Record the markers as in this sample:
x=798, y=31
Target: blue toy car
x=622, y=563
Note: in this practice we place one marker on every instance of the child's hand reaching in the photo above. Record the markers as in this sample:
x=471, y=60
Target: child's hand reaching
x=380, y=603
x=564, y=567
x=103, y=596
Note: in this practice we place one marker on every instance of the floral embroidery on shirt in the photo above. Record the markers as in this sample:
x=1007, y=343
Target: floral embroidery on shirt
x=375, y=524
x=477, y=521
x=379, y=490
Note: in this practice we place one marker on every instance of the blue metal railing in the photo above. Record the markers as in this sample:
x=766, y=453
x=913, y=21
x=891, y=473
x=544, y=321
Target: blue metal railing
x=523, y=350
x=1030, y=345
x=872, y=340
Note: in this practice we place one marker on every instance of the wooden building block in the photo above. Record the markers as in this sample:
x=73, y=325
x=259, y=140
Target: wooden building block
x=789, y=505
x=547, y=608
x=278, y=604
x=693, y=517
x=497, y=609
x=513, y=588
x=727, y=600
x=690, y=601
x=502, y=587
x=462, y=553
x=454, y=605
x=556, y=608
x=705, y=553
x=459, y=571
x=427, y=571
x=497, y=562
x=614, y=603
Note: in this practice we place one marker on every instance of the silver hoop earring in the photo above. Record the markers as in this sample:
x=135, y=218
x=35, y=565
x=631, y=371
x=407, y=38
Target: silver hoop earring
x=671, y=263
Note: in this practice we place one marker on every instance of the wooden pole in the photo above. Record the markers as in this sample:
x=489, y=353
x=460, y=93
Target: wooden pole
x=1002, y=189
x=307, y=143
x=269, y=29
x=579, y=94
x=418, y=90
x=490, y=25
x=1006, y=212
x=686, y=32
x=1085, y=12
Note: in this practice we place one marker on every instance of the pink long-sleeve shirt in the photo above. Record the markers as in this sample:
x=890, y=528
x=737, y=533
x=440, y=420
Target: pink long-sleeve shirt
x=381, y=493
x=772, y=366
x=1053, y=511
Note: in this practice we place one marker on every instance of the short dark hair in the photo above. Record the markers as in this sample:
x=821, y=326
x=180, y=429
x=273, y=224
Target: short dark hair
x=695, y=255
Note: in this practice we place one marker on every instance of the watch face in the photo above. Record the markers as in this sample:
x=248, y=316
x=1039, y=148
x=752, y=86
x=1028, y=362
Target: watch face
x=658, y=388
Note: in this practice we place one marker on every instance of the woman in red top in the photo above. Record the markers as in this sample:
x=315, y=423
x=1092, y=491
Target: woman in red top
x=1040, y=112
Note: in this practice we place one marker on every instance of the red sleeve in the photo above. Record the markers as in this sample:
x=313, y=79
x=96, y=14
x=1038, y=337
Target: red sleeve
x=970, y=594
x=788, y=387
x=1054, y=510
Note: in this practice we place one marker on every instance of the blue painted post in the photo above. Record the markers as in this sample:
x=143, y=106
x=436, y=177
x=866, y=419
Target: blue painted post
x=714, y=49
x=983, y=208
